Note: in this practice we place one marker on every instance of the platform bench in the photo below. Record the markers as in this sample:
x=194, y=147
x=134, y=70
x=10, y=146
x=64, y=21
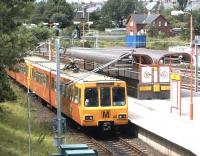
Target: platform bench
x=82, y=152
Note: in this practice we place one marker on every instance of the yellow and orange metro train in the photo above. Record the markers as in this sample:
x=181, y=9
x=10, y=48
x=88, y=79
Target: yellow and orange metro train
x=96, y=100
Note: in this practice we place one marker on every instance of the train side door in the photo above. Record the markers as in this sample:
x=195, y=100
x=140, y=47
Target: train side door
x=53, y=90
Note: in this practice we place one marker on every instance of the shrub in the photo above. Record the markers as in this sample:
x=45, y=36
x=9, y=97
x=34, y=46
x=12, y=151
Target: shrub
x=6, y=93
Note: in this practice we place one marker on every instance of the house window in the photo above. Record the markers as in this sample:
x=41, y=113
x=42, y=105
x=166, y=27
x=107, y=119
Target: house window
x=131, y=24
x=159, y=24
x=165, y=24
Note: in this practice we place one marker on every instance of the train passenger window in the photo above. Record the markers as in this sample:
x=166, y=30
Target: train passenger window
x=26, y=71
x=105, y=96
x=71, y=93
x=67, y=92
x=37, y=76
x=76, y=95
x=43, y=79
x=53, y=84
x=79, y=95
x=22, y=68
x=33, y=75
x=91, y=97
x=62, y=88
x=47, y=80
x=118, y=96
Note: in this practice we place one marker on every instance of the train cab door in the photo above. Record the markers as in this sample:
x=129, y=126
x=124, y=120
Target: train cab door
x=65, y=97
x=70, y=105
x=75, y=105
x=46, y=86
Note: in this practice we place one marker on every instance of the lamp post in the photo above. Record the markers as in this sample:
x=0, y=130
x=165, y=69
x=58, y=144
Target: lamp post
x=29, y=101
x=88, y=20
x=58, y=136
x=59, y=119
x=89, y=23
x=83, y=22
x=49, y=47
x=176, y=13
x=197, y=43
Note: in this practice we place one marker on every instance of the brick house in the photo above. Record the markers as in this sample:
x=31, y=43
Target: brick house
x=137, y=24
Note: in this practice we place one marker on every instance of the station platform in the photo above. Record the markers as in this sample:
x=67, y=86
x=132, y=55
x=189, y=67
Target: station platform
x=155, y=116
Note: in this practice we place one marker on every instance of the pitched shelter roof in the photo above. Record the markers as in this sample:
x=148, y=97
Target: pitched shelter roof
x=144, y=19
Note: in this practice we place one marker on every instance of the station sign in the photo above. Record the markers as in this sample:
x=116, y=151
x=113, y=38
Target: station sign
x=180, y=49
x=145, y=88
x=175, y=76
x=146, y=74
x=164, y=74
x=175, y=91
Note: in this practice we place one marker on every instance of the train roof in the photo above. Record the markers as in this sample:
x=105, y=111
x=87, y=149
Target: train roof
x=68, y=74
x=34, y=59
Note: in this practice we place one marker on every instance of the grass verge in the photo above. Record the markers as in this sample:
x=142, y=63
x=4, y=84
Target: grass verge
x=14, y=128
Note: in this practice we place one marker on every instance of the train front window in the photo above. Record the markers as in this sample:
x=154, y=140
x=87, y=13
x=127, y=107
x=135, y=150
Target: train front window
x=91, y=97
x=118, y=96
x=105, y=96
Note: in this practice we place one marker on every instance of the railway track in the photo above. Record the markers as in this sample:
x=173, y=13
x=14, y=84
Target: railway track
x=115, y=146
x=129, y=147
x=138, y=144
x=186, y=77
x=121, y=147
x=91, y=142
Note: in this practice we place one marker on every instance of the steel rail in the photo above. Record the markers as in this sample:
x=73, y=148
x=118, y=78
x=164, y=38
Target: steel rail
x=135, y=149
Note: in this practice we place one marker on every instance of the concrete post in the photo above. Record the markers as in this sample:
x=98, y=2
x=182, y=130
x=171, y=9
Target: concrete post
x=59, y=124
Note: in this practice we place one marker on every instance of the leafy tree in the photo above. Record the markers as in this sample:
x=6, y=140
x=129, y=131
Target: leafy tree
x=152, y=30
x=100, y=22
x=58, y=11
x=13, y=44
x=39, y=33
x=196, y=17
x=37, y=14
x=197, y=26
x=185, y=33
x=16, y=40
x=182, y=4
x=119, y=10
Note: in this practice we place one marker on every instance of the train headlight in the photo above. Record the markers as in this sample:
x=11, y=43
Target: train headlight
x=122, y=116
x=88, y=117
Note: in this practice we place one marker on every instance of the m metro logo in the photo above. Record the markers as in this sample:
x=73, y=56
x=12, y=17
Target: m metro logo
x=105, y=114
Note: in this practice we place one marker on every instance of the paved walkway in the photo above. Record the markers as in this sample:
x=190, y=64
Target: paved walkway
x=155, y=116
